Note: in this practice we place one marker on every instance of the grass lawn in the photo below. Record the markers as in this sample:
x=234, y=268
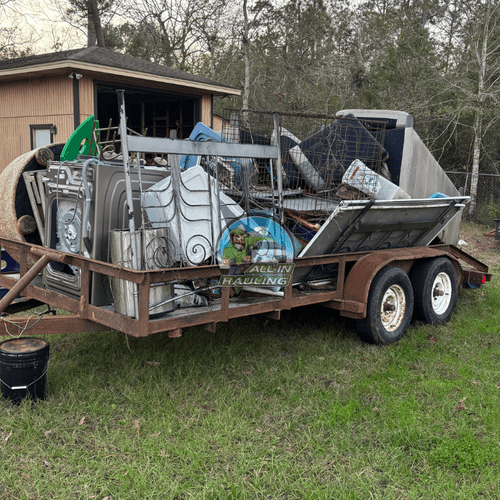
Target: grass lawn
x=295, y=409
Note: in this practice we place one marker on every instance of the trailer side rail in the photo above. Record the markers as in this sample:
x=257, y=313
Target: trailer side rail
x=356, y=271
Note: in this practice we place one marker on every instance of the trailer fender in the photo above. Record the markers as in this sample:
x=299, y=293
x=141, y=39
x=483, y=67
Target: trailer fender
x=358, y=281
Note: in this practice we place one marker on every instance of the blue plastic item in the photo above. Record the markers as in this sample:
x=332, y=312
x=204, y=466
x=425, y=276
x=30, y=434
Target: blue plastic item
x=9, y=265
x=200, y=133
x=437, y=194
x=203, y=133
x=471, y=285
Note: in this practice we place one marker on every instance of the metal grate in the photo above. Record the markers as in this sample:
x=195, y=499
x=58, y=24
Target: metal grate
x=315, y=153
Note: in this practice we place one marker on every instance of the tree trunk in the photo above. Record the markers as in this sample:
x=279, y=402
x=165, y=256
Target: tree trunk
x=246, y=58
x=476, y=155
x=482, y=56
x=96, y=23
x=91, y=36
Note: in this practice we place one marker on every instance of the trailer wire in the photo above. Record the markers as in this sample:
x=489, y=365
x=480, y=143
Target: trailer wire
x=25, y=327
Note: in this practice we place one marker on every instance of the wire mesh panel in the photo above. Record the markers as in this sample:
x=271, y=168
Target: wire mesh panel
x=316, y=151
x=487, y=196
x=322, y=160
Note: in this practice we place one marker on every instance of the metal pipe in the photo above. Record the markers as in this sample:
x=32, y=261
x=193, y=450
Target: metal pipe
x=88, y=199
x=176, y=180
x=177, y=297
x=24, y=282
x=279, y=172
x=128, y=188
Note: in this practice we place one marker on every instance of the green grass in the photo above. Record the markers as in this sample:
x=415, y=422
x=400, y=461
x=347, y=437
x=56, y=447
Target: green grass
x=295, y=409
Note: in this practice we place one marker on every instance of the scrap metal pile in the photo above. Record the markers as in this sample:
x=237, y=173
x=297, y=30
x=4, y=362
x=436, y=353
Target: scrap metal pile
x=359, y=181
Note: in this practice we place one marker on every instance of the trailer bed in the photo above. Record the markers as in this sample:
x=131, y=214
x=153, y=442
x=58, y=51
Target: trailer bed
x=355, y=272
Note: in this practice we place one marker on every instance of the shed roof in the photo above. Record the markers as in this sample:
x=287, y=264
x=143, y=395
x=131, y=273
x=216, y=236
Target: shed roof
x=104, y=60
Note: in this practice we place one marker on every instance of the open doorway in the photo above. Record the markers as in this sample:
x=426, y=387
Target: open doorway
x=150, y=112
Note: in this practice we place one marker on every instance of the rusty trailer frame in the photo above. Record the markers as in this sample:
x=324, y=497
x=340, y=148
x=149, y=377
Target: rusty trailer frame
x=356, y=272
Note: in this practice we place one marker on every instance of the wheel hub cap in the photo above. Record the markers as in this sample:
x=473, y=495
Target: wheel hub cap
x=393, y=308
x=441, y=293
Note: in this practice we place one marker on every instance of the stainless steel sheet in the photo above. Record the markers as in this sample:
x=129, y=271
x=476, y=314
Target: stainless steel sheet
x=365, y=225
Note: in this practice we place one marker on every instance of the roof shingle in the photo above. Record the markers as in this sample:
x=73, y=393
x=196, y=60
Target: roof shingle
x=101, y=56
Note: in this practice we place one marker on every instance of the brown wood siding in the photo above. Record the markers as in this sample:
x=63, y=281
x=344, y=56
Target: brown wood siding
x=49, y=100
x=15, y=136
x=36, y=97
x=218, y=123
x=206, y=110
x=39, y=101
x=86, y=97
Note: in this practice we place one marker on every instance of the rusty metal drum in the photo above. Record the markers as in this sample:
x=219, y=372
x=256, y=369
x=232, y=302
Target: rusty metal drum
x=15, y=201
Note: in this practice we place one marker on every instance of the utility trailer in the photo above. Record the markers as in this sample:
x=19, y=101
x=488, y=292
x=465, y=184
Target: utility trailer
x=379, y=289
x=378, y=262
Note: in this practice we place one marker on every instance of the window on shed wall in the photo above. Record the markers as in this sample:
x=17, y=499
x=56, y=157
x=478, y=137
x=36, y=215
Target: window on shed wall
x=41, y=135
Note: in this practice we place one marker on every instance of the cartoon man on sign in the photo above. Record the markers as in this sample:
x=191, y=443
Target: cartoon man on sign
x=239, y=250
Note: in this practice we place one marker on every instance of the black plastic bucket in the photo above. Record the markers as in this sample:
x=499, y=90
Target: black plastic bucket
x=23, y=368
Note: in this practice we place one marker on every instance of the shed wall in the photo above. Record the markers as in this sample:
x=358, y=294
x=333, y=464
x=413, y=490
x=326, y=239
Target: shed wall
x=38, y=101
x=49, y=101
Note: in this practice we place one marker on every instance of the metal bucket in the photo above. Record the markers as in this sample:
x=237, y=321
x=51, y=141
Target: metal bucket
x=153, y=253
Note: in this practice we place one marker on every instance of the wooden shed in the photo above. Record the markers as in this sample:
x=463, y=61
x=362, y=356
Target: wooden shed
x=43, y=98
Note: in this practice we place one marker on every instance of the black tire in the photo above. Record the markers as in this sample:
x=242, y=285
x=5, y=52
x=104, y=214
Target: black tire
x=435, y=286
x=389, y=309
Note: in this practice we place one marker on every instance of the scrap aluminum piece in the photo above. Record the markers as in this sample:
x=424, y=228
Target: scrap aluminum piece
x=386, y=224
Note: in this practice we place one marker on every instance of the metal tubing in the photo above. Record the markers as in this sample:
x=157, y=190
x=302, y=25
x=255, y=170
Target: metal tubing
x=88, y=200
x=128, y=188
x=177, y=199
x=279, y=172
x=196, y=148
x=24, y=282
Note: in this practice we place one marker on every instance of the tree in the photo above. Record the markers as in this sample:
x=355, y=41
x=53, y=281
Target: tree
x=469, y=89
x=13, y=41
x=94, y=16
x=96, y=23
x=286, y=58
x=483, y=35
x=177, y=34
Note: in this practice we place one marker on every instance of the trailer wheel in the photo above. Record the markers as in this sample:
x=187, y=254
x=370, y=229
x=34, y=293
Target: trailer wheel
x=435, y=285
x=389, y=309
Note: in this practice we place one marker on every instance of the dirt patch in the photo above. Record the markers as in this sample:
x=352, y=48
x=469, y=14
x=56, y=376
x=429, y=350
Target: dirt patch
x=481, y=247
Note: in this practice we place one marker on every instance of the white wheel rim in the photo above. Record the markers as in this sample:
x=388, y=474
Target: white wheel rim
x=393, y=307
x=441, y=293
